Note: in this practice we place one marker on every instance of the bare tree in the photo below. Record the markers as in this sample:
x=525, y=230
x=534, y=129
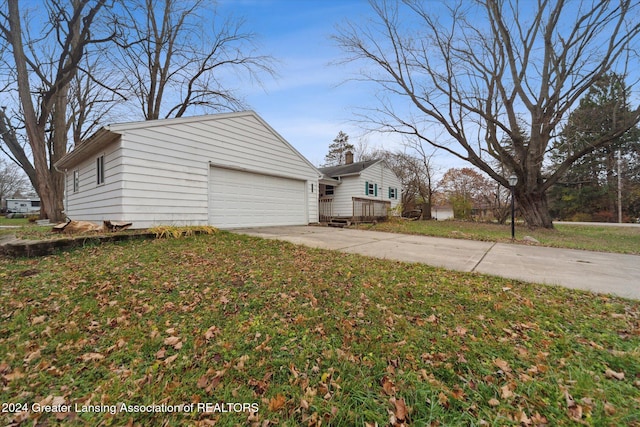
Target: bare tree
x=12, y=180
x=177, y=53
x=416, y=174
x=44, y=67
x=475, y=72
x=94, y=94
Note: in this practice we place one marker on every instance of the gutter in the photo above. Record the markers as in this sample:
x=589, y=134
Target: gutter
x=103, y=136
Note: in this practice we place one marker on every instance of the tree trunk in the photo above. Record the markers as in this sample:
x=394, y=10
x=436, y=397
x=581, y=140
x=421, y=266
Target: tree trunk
x=426, y=211
x=533, y=206
x=58, y=148
x=611, y=185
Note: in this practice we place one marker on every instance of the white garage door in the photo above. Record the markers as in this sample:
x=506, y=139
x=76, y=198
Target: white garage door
x=245, y=199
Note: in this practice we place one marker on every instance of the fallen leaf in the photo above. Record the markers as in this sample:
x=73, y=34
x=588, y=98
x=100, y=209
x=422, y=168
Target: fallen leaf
x=211, y=332
x=89, y=357
x=170, y=359
x=494, y=402
x=58, y=401
x=38, y=320
x=304, y=404
x=32, y=356
x=431, y=319
x=457, y=393
x=202, y=382
x=575, y=412
x=400, y=412
x=522, y=417
x=15, y=375
x=387, y=386
x=506, y=391
x=609, y=408
x=502, y=364
x=609, y=373
x=20, y=417
x=241, y=360
x=171, y=340
x=277, y=402
x=539, y=420
x=461, y=331
x=443, y=399
x=175, y=342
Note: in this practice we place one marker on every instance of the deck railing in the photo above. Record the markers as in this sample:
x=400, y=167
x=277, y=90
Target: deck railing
x=369, y=209
x=326, y=209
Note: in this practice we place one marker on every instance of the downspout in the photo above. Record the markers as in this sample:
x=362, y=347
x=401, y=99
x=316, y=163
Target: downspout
x=66, y=195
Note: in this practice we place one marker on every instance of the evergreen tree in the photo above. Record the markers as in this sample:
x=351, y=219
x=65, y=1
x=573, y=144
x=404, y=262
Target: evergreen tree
x=588, y=190
x=337, y=150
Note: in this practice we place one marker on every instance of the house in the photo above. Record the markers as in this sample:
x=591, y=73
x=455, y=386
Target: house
x=227, y=170
x=358, y=191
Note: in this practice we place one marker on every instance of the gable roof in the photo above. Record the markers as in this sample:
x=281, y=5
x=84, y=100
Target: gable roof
x=110, y=133
x=346, y=170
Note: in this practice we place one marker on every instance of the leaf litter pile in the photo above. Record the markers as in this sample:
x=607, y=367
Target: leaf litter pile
x=259, y=332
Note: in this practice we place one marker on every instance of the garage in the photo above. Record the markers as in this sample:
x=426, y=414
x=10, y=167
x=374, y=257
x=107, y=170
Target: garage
x=228, y=170
x=239, y=198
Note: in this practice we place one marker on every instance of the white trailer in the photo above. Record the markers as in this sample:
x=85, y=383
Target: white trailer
x=23, y=205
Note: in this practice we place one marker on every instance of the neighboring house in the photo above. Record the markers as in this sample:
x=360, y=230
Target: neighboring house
x=358, y=191
x=23, y=205
x=227, y=170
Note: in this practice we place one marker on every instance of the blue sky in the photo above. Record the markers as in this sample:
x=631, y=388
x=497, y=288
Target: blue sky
x=309, y=102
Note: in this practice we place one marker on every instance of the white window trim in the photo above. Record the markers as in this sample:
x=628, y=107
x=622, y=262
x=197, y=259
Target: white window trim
x=100, y=170
x=76, y=180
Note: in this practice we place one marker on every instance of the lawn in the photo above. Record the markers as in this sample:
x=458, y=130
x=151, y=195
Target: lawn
x=13, y=221
x=232, y=324
x=602, y=238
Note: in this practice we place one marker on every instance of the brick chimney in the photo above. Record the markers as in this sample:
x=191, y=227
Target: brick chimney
x=348, y=158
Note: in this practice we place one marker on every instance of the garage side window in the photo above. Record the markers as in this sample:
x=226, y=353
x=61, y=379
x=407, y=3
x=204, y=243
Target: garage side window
x=76, y=180
x=100, y=170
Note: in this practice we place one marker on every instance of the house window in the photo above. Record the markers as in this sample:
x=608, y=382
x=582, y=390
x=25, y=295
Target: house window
x=370, y=189
x=100, y=170
x=35, y=203
x=76, y=180
x=393, y=193
x=328, y=190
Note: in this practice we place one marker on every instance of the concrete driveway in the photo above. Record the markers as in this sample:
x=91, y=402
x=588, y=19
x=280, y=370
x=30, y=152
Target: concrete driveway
x=592, y=271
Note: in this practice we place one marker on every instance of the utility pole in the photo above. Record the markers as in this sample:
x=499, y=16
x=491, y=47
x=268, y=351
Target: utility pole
x=620, y=186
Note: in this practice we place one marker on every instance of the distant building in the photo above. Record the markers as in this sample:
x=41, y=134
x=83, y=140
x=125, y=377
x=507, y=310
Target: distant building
x=23, y=205
x=442, y=212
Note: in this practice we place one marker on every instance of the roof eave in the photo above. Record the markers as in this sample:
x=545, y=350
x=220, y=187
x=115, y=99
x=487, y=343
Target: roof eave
x=327, y=180
x=94, y=144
